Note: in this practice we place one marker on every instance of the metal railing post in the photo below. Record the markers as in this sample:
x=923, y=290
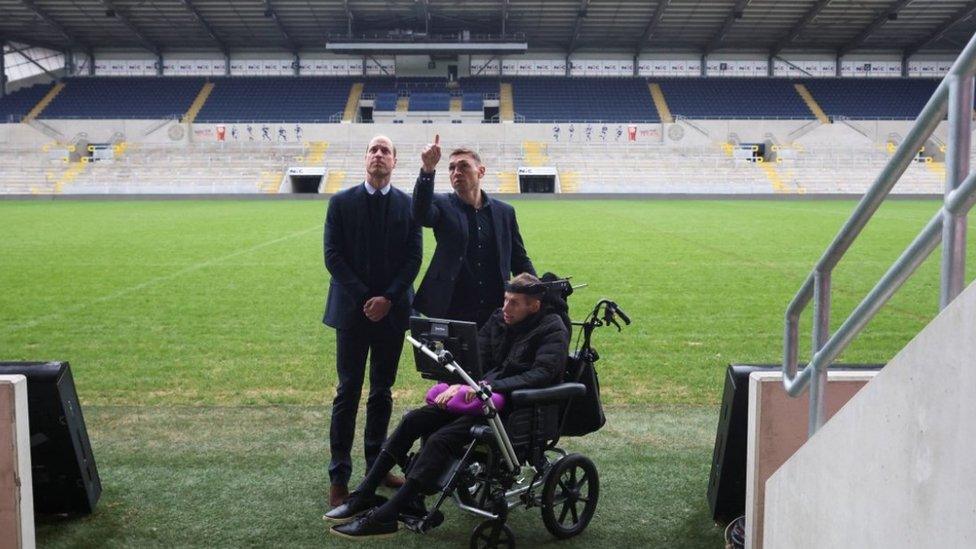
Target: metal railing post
x=955, y=95
x=821, y=331
x=957, y=168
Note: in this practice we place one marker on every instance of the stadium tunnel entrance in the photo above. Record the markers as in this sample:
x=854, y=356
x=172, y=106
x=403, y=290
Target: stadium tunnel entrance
x=303, y=180
x=536, y=180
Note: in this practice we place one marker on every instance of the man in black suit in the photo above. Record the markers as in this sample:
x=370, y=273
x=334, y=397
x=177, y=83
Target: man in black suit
x=478, y=242
x=373, y=251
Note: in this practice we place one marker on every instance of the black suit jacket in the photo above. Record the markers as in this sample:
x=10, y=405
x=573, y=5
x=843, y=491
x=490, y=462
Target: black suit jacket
x=445, y=214
x=347, y=253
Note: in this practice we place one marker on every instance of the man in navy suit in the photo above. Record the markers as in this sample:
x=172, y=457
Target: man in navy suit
x=373, y=250
x=479, y=246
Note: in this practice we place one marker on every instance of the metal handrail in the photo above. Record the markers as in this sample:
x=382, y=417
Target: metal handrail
x=955, y=95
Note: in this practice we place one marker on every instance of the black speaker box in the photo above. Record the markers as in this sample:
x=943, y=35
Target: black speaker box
x=63, y=468
x=727, y=481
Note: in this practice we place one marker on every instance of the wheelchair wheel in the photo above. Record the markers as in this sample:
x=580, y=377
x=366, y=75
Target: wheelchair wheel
x=570, y=495
x=491, y=534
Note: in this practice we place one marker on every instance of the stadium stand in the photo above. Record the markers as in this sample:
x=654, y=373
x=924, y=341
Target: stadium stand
x=427, y=101
x=836, y=158
x=564, y=99
x=276, y=99
x=130, y=98
x=738, y=98
x=16, y=105
x=872, y=98
x=536, y=99
x=386, y=101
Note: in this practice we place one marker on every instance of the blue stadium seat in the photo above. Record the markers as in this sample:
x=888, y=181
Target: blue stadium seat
x=276, y=99
x=472, y=102
x=386, y=101
x=563, y=99
x=430, y=101
x=717, y=97
x=872, y=98
x=14, y=106
x=124, y=97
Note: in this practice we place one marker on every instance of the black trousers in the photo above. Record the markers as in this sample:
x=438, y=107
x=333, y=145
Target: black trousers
x=384, y=344
x=446, y=436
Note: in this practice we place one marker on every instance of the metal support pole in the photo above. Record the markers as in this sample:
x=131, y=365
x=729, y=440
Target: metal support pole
x=69, y=62
x=957, y=168
x=704, y=66
x=770, y=67
x=821, y=332
x=837, y=67
x=3, y=69
x=91, y=62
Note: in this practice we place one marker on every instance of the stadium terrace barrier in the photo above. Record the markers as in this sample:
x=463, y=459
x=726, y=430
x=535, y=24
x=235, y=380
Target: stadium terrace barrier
x=955, y=94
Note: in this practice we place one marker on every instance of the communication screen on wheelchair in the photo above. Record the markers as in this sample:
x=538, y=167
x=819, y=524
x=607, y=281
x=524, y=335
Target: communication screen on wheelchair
x=457, y=337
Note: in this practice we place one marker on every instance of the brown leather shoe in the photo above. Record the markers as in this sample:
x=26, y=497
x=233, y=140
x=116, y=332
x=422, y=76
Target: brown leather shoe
x=338, y=494
x=392, y=481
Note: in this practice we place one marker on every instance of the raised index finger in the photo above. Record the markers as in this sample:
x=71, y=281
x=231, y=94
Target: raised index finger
x=437, y=139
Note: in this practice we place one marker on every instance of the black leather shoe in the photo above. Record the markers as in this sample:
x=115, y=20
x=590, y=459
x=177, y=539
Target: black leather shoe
x=354, y=506
x=366, y=527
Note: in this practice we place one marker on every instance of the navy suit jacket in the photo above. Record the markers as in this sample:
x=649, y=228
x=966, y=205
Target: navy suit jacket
x=444, y=213
x=347, y=252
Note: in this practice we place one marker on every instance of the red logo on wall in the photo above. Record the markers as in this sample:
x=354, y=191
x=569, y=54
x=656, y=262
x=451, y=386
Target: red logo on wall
x=221, y=132
x=632, y=133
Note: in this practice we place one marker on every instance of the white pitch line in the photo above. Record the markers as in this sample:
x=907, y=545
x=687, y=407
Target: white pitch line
x=153, y=281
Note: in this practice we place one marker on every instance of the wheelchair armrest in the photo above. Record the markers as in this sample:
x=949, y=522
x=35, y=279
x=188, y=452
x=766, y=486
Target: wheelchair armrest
x=556, y=393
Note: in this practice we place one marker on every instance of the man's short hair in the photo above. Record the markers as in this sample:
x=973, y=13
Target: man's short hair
x=524, y=280
x=469, y=152
x=387, y=138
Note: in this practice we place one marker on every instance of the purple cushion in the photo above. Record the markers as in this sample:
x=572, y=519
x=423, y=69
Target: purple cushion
x=457, y=405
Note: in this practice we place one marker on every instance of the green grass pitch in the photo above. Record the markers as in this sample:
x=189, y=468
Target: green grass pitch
x=194, y=333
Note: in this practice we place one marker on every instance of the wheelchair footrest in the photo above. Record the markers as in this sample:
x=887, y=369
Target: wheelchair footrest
x=422, y=524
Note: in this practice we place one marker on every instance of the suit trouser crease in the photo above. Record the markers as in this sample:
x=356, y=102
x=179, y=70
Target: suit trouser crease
x=384, y=344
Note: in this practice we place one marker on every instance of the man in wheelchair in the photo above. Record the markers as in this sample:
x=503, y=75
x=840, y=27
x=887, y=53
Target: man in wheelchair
x=524, y=345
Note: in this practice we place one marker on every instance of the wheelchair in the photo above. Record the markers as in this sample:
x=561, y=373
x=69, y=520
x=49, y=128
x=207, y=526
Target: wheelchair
x=516, y=462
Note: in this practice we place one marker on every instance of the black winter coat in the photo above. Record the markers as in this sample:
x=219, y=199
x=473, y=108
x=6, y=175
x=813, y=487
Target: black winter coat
x=530, y=355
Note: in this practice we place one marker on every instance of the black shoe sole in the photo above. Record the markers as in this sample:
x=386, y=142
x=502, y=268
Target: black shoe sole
x=365, y=537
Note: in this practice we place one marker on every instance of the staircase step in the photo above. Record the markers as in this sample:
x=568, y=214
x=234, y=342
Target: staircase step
x=44, y=102
x=660, y=103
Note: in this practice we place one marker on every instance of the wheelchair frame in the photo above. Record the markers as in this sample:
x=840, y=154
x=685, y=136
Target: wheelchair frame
x=497, y=493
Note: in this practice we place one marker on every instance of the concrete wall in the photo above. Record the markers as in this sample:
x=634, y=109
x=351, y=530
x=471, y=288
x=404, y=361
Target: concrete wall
x=831, y=135
x=896, y=467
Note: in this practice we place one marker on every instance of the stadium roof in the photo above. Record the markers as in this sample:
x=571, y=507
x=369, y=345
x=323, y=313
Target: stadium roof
x=701, y=26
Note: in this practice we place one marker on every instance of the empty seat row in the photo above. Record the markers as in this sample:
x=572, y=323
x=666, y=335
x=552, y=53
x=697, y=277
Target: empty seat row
x=733, y=98
x=16, y=105
x=128, y=97
x=564, y=99
x=536, y=99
